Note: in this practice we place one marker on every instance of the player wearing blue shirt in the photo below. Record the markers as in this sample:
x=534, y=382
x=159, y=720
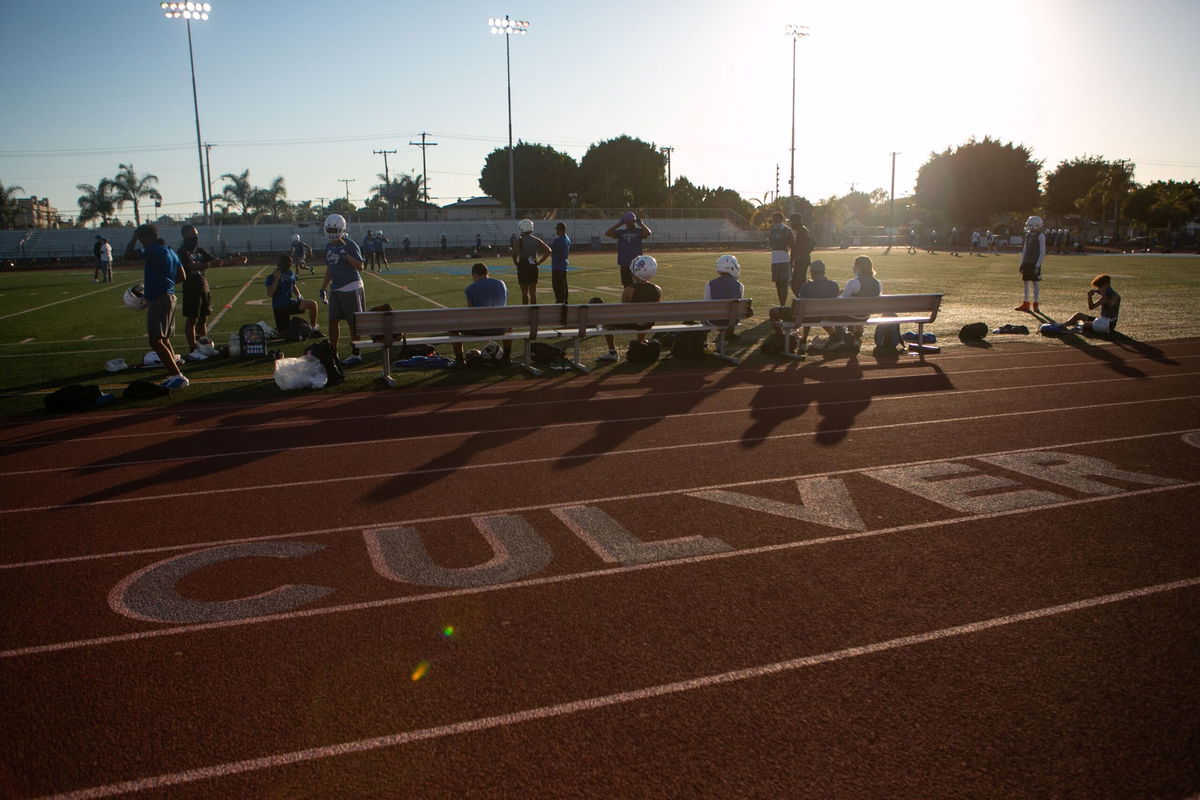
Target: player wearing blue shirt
x=285, y=296
x=300, y=253
x=560, y=252
x=378, y=252
x=629, y=233
x=483, y=291
x=162, y=270
x=343, y=271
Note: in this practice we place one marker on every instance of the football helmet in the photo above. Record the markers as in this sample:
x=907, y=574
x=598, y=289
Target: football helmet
x=1033, y=223
x=728, y=265
x=525, y=226
x=135, y=297
x=335, y=226
x=644, y=267
x=295, y=237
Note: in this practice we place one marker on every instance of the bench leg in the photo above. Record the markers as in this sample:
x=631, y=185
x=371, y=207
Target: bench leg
x=788, y=342
x=387, y=366
x=527, y=362
x=575, y=362
x=720, y=351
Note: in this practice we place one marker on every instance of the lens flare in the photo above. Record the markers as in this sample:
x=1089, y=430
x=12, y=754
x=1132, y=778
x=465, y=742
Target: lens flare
x=419, y=671
x=448, y=631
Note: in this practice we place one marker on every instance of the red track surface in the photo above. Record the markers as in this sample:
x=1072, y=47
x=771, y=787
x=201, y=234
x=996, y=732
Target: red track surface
x=977, y=577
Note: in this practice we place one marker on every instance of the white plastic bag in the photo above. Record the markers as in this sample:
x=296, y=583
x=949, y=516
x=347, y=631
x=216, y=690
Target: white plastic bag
x=305, y=372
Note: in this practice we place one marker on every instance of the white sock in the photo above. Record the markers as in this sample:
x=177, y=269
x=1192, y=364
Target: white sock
x=1036, y=286
x=1027, y=291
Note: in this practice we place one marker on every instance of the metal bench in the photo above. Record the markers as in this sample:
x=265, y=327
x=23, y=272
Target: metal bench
x=900, y=309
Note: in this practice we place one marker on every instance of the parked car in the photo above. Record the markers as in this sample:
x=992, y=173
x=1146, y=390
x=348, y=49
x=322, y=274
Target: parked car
x=1140, y=244
x=1102, y=240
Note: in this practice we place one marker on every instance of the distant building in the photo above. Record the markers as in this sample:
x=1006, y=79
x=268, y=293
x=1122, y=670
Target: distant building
x=35, y=213
x=476, y=208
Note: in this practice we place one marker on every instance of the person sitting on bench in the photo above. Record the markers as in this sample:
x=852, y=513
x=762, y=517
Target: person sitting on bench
x=484, y=291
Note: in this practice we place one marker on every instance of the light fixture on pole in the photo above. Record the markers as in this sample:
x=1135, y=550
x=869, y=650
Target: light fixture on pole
x=188, y=12
x=509, y=27
x=797, y=32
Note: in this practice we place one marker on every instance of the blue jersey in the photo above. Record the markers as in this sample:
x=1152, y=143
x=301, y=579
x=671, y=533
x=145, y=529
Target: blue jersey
x=297, y=251
x=283, y=294
x=487, y=292
x=629, y=245
x=341, y=273
x=724, y=287
x=780, y=237
x=161, y=271
x=560, y=249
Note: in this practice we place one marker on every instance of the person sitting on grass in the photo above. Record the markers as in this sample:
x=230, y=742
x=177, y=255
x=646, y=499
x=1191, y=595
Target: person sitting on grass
x=819, y=286
x=286, y=299
x=163, y=270
x=1105, y=298
x=641, y=269
x=484, y=291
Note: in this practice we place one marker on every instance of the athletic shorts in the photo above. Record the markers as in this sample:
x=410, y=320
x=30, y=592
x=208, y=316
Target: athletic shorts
x=160, y=317
x=344, y=305
x=196, y=302
x=1031, y=272
x=1103, y=325
x=626, y=275
x=527, y=274
x=284, y=314
x=781, y=271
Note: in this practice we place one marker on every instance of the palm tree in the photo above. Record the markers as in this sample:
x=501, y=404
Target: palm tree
x=129, y=188
x=96, y=202
x=8, y=203
x=238, y=191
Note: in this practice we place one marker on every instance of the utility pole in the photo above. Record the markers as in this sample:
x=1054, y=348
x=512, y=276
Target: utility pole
x=776, y=183
x=892, y=212
x=387, y=177
x=1121, y=162
x=424, y=174
x=796, y=32
x=347, y=181
x=208, y=165
x=667, y=152
x=324, y=201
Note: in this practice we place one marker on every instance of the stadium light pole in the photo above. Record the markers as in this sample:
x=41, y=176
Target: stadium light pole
x=797, y=32
x=509, y=27
x=188, y=12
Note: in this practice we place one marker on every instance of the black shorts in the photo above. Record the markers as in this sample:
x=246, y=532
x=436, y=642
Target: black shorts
x=626, y=275
x=527, y=274
x=197, y=300
x=1031, y=272
x=284, y=315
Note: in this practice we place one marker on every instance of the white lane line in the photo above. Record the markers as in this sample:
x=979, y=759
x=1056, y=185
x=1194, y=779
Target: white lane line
x=56, y=302
x=26, y=341
x=212, y=323
x=641, y=392
x=632, y=451
x=230, y=768
x=549, y=426
x=620, y=498
x=410, y=291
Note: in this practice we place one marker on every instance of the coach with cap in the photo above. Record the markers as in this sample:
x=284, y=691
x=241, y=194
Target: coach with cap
x=629, y=232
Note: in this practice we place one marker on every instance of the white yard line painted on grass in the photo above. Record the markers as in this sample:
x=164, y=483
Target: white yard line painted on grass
x=551, y=426
x=410, y=291
x=212, y=323
x=621, y=498
x=73, y=341
x=568, y=708
x=56, y=302
x=631, y=451
x=417, y=394
x=26, y=341
x=89, y=336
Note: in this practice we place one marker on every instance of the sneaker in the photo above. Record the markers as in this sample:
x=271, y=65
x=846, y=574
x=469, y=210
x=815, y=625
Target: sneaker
x=1035, y=306
x=175, y=382
x=351, y=360
x=611, y=355
x=1023, y=307
x=196, y=355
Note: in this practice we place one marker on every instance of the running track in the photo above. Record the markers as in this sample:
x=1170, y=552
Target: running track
x=977, y=577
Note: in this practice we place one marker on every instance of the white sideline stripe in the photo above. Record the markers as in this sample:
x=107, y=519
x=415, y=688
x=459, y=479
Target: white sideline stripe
x=571, y=707
x=563, y=503
x=26, y=341
x=89, y=336
x=391, y=602
x=410, y=291
x=56, y=302
x=498, y=390
x=604, y=454
x=551, y=426
x=641, y=392
x=212, y=323
x=72, y=341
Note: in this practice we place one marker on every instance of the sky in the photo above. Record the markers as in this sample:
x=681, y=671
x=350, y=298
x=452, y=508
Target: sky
x=308, y=90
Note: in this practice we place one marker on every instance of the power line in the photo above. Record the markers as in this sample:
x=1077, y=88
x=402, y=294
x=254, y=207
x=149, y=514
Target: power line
x=424, y=172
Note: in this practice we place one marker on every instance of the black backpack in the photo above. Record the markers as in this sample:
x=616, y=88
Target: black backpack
x=974, y=332
x=689, y=344
x=772, y=345
x=545, y=353
x=643, y=352
x=253, y=341
x=323, y=352
x=297, y=330
x=73, y=398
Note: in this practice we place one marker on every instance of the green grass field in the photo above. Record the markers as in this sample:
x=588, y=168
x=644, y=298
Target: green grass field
x=58, y=327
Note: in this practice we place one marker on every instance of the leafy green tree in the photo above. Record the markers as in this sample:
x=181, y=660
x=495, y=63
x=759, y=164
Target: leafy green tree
x=236, y=193
x=1113, y=184
x=97, y=202
x=624, y=171
x=129, y=187
x=8, y=204
x=545, y=176
x=340, y=205
x=1164, y=204
x=978, y=181
x=402, y=191
x=1069, y=182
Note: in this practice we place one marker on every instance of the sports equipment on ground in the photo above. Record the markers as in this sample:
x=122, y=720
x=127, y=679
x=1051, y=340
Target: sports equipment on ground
x=644, y=267
x=1033, y=223
x=729, y=265
x=335, y=226
x=525, y=226
x=135, y=297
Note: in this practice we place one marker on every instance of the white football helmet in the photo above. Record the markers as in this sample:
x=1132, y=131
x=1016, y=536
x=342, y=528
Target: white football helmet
x=135, y=297
x=295, y=237
x=525, y=226
x=728, y=265
x=335, y=226
x=1033, y=223
x=644, y=267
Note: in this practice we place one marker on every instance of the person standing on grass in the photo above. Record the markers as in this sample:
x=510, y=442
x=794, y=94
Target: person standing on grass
x=197, y=299
x=300, y=253
x=162, y=269
x=629, y=232
x=106, y=260
x=801, y=251
x=1033, y=252
x=560, y=252
x=96, y=253
x=343, y=271
x=528, y=253
x=379, y=251
x=781, y=239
